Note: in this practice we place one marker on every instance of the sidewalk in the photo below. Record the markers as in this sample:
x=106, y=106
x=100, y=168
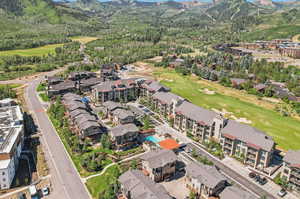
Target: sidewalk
x=270, y=187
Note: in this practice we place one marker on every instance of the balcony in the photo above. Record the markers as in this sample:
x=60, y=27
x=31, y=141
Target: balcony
x=295, y=180
x=296, y=174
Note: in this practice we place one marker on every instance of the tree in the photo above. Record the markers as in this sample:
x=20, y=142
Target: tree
x=105, y=141
x=133, y=164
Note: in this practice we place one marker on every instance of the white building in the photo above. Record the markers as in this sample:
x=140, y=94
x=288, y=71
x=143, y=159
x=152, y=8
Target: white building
x=11, y=143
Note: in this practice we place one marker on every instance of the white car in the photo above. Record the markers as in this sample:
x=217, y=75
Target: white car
x=282, y=193
x=45, y=191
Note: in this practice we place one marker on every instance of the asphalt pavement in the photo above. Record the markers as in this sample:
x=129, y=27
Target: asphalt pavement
x=66, y=181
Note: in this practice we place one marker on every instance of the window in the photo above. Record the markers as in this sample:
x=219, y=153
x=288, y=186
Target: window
x=3, y=173
x=4, y=179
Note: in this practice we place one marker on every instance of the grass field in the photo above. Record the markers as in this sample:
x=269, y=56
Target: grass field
x=284, y=130
x=44, y=50
x=84, y=40
x=98, y=184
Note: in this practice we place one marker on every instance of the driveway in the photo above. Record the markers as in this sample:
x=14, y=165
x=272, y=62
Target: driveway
x=177, y=188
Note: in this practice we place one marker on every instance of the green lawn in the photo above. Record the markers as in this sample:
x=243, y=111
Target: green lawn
x=44, y=50
x=284, y=130
x=44, y=97
x=98, y=184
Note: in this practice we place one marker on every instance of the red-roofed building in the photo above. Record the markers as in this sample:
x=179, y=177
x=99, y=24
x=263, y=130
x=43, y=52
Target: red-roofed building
x=169, y=144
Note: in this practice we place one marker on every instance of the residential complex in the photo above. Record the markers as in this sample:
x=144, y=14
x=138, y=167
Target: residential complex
x=11, y=141
x=291, y=169
x=204, y=180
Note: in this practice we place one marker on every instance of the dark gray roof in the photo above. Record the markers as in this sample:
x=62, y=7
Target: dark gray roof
x=156, y=86
x=121, y=130
x=71, y=96
x=90, y=82
x=142, y=187
x=78, y=112
x=75, y=105
x=207, y=175
x=292, y=157
x=166, y=97
x=118, y=84
x=235, y=193
x=63, y=86
x=248, y=134
x=88, y=124
x=159, y=158
x=110, y=105
x=84, y=118
x=196, y=113
x=122, y=113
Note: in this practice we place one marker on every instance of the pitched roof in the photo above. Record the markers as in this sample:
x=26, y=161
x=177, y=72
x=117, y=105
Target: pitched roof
x=123, y=129
x=110, y=105
x=88, y=124
x=248, y=134
x=142, y=187
x=196, y=113
x=84, y=118
x=118, y=84
x=78, y=112
x=155, y=86
x=90, y=82
x=166, y=97
x=159, y=158
x=292, y=157
x=205, y=174
x=169, y=144
x=235, y=193
x=122, y=113
x=260, y=86
x=63, y=85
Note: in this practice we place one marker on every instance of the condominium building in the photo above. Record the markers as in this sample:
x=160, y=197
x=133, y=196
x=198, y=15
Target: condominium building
x=253, y=146
x=201, y=123
x=159, y=164
x=11, y=143
x=135, y=185
x=166, y=102
x=150, y=87
x=120, y=90
x=124, y=137
x=291, y=169
x=205, y=181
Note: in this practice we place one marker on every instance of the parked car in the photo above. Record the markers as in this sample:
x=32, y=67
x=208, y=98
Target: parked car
x=282, y=193
x=263, y=181
x=252, y=175
x=45, y=191
x=22, y=196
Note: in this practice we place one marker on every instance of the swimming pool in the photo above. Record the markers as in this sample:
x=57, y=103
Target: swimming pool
x=152, y=139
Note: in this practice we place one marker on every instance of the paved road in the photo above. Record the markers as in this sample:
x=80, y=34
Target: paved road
x=66, y=181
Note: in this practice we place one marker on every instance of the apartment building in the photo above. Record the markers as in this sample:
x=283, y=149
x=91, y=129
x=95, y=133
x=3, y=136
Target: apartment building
x=253, y=146
x=291, y=169
x=159, y=165
x=124, y=137
x=11, y=143
x=135, y=185
x=201, y=123
x=120, y=91
x=150, y=87
x=165, y=103
x=205, y=181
